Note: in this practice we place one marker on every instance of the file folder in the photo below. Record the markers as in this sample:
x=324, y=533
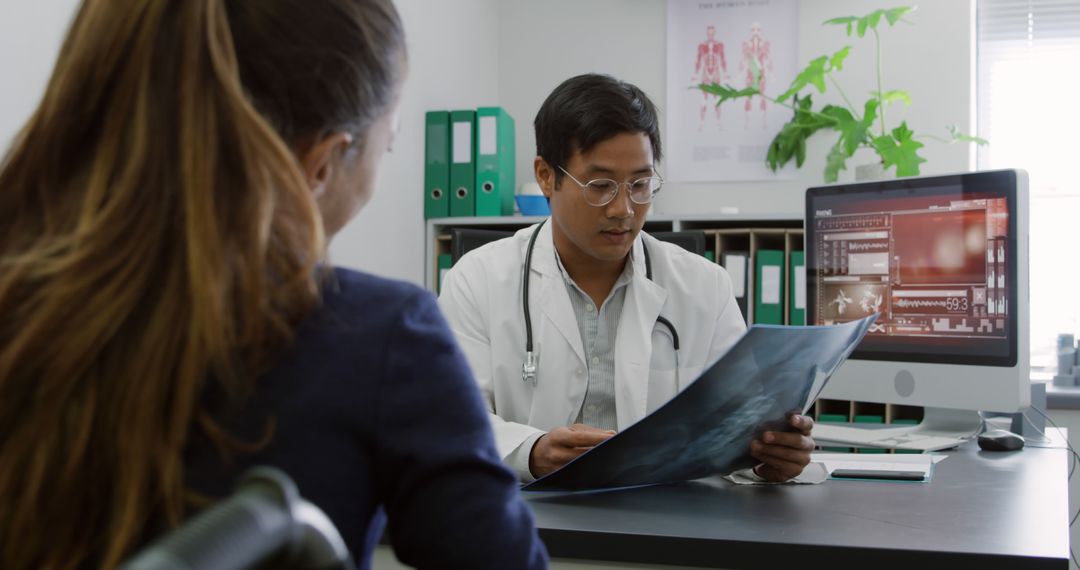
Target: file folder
x=494, y=162
x=870, y=419
x=735, y=263
x=462, y=165
x=445, y=261
x=437, y=164
x=769, y=287
x=797, y=289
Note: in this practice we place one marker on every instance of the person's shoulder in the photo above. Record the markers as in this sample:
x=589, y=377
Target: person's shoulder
x=348, y=293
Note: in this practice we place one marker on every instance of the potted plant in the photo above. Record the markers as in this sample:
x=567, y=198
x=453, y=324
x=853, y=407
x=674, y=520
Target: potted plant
x=855, y=126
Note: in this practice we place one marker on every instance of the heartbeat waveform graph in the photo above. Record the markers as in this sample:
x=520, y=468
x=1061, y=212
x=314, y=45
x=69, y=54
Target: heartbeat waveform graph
x=871, y=246
x=920, y=303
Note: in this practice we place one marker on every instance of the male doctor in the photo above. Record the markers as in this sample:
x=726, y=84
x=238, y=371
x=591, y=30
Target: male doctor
x=603, y=334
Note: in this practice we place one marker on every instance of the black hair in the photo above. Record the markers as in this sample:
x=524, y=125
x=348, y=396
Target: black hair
x=586, y=110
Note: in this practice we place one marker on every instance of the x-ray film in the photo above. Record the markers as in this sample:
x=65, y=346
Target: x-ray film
x=771, y=372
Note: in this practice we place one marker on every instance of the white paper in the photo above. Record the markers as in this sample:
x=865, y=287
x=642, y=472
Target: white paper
x=706, y=143
x=462, y=136
x=800, y=286
x=813, y=474
x=489, y=137
x=770, y=284
x=736, y=268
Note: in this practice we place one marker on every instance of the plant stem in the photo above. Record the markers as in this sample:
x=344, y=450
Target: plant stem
x=846, y=100
x=881, y=101
x=812, y=113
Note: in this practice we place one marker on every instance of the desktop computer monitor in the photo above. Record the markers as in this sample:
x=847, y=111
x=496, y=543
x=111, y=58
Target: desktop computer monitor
x=942, y=260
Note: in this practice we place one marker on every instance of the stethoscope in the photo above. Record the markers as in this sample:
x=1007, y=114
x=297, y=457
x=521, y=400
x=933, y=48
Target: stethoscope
x=528, y=368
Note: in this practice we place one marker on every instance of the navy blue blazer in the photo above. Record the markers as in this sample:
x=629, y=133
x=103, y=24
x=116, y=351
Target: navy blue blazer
x=374, y=410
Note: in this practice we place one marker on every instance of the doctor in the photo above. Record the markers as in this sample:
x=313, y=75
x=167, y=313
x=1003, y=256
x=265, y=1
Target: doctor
x=616, y=322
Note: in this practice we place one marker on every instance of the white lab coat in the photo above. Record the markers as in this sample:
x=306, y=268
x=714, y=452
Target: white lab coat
x=481, y=298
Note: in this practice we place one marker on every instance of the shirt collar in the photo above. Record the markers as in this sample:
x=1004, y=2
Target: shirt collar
x=624, y=278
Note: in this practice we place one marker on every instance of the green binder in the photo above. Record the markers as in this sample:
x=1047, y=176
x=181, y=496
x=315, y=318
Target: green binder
x=494, y=162
x=769, y=287
x=437, y=164
x=445, y=260
x=870, y=419
x=462, y=165
x=797, y=289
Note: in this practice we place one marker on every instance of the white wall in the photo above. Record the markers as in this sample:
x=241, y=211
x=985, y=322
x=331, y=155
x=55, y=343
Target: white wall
x=30, y=38
x=543, y=43
x=514, y=52
x=453, y=61
x=446, y=71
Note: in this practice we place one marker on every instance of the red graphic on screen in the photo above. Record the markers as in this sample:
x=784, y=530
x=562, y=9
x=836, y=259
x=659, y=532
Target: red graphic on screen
x=940, y=247
x=934, y=269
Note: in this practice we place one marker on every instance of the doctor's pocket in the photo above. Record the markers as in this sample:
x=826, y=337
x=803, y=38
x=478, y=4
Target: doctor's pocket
x=662, y=377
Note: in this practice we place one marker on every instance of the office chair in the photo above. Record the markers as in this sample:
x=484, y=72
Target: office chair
x=264, y=524
x=464, y=240
x=692, y=240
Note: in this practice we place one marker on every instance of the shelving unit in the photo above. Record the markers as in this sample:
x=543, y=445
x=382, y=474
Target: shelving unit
x=724, y=232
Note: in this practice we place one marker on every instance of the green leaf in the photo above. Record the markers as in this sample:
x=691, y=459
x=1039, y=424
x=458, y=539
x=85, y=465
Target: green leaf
x=725, y=92
x=790, y=142
x=873, y=18
x=893, y=15
x=837, y=60
x=755, y=72
x=900, y=149
x=869, y=116
x=957, y=136
x=813, y=74
x=894, y=95
x=870, y=112
x=844, y=21
x=853, y=132
x=863, y=22
x=835, y=161
x=841, y=20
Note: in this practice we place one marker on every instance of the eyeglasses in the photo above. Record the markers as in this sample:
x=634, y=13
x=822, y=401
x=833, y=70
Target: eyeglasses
x=602, y=191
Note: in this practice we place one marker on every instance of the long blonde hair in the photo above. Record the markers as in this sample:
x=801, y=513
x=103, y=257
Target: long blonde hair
x=157, y=239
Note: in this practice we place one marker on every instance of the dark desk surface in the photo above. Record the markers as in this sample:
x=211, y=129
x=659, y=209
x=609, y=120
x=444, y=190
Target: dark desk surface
x=981, y=510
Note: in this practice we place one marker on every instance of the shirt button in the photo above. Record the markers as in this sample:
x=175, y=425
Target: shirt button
x=595, y=360
x=590, y=307
x=580, y=371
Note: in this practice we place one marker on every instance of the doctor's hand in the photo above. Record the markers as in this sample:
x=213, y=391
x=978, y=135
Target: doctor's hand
x=561, y=445
x=784, y=454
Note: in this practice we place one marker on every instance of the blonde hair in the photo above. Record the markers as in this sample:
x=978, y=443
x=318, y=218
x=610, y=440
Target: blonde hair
x=157, y=239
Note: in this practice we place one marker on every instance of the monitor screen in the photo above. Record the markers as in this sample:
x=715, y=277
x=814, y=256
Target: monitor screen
x=934, y=257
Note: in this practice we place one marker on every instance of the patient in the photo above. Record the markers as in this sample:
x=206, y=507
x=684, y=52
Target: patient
x=167, y=318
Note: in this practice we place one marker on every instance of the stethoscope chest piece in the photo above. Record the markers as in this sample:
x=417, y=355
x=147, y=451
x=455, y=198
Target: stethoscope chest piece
x=528, y=368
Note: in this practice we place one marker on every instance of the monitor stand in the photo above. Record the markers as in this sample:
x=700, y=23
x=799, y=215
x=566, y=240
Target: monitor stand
x=947, y=422
x=941, y=428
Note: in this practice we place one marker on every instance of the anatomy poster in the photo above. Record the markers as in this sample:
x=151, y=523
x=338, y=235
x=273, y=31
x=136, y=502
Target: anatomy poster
x=723, y=41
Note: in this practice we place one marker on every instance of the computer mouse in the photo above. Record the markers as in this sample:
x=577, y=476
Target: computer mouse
x=1000, y=440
